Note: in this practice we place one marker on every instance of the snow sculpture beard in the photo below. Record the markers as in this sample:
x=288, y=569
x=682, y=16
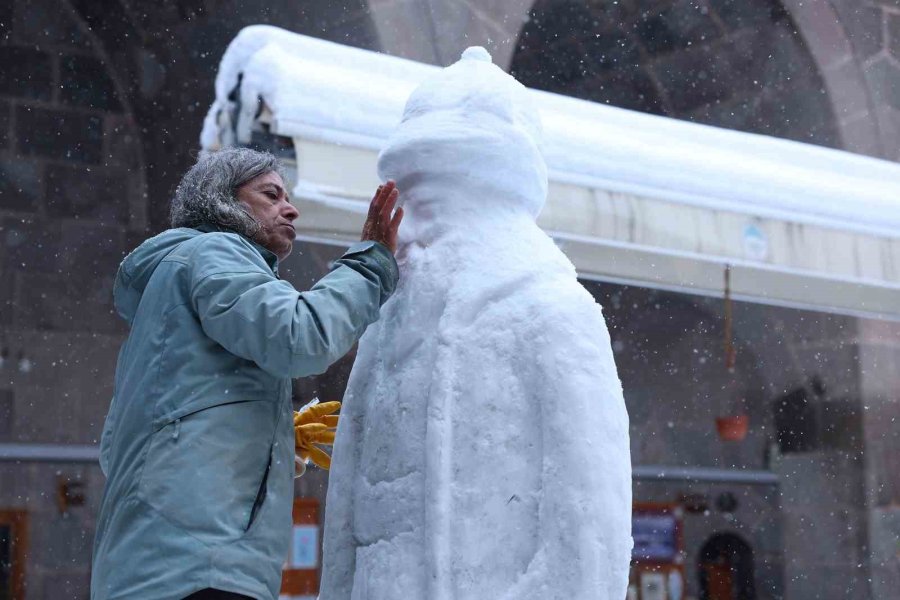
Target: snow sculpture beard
x=483, y=448
x=466, y=152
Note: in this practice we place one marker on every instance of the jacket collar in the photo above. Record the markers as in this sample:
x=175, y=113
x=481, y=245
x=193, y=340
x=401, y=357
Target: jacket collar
x=267, y=254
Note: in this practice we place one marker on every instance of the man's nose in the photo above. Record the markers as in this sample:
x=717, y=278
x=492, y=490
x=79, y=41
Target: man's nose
x=290, y=212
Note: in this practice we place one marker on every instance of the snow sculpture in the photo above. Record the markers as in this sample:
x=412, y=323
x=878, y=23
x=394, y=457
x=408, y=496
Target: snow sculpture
x=483, y=448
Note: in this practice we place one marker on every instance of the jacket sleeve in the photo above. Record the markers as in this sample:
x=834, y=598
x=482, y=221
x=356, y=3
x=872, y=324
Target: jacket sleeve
x=254, y=315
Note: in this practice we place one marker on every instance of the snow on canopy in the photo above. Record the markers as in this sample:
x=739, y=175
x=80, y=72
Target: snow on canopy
x=346, y=95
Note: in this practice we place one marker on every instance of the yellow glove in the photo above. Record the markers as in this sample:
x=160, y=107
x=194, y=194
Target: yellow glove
x=314, y=424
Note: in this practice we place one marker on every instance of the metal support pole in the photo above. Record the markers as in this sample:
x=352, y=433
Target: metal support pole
x=703, y=475
x=50, y=453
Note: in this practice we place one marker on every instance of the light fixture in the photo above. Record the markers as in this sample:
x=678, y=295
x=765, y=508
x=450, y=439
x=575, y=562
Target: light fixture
x=25, y=363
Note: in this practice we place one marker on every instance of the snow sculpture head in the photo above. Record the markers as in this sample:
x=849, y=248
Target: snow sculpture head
x=468, y=144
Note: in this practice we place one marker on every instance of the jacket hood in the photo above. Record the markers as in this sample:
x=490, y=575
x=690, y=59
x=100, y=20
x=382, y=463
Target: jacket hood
x=137, y=268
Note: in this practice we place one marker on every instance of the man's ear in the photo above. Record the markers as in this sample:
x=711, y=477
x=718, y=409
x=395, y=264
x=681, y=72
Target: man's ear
x=245, y=207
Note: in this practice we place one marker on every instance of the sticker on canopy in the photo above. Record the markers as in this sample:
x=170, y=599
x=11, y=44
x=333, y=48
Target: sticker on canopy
x=756, y=244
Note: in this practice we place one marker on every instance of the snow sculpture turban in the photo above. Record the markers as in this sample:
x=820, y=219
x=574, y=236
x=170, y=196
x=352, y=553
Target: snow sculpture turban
x=469, y=127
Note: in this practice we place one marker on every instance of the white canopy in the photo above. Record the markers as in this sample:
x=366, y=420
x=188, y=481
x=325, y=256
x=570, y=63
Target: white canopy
x=633, y=197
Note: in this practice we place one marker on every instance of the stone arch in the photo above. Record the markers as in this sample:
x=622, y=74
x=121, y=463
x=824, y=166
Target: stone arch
x=437, y=31
x=740, y=65
x=850, y=97
x=124, y=148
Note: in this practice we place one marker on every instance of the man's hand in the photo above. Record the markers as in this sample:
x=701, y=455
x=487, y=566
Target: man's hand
x=314, y=424
x=380, y=226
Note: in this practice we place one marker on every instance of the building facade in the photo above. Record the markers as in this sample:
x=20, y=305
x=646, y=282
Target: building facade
x=101, y=105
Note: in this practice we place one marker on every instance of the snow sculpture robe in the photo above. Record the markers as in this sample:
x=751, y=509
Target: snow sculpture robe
x=483, y=448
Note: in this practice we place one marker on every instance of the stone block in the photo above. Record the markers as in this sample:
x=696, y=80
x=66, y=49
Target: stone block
x=64, y=542
x=122, y=142
x=26, y=73
x=819, y=479
x=73, y=369
x=683, y=24
x=785, y=62
x=883, y=457
x=39, y=22
x=29, y=244
x=888, y=119
x=403, y=29
x=863, y=23
x=847, y=90
x=92, y=253
x=848, y=582
x=699, y=76
x=41, y=301
x=819, y=537
x=6, y=19
x=631, y=88
x=328, y=15
x=886, y=579
x=840, y=424
x=90, y=259
x=609, y=51
x=21, y=185
x=801, y=113
x=569, y=66
x=6, y=301
x=85, y=81
x=355, y=30
x=562, y=21
x=893, y=27
x=770, y=577
x=742, y=114
x=7, y=414
x=884, y=536
x=5, y=123
x=883, y=78
x=740, y=14
x=95, y=193
x=60, y=134
x=50, y=302
x=880, y=373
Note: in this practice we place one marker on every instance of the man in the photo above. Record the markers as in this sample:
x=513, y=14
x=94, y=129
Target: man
x=198, y=445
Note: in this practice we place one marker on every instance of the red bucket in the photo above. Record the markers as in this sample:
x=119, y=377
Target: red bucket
x=733, y=429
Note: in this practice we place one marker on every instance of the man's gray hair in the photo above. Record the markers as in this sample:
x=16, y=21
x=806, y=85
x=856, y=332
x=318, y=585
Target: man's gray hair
x=208, y=191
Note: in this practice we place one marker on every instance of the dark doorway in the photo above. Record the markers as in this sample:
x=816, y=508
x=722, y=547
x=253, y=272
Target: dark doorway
x=725, y=569
x=5, y=562
x=12, y=554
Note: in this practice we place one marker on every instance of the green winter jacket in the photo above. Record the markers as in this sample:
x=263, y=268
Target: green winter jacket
x=198, y=445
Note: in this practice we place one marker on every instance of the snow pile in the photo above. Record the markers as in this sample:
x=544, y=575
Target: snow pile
x=483, y=448
x=310, y=87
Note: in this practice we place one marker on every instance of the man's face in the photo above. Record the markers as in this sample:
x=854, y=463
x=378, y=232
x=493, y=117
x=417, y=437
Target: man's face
x=268, y=202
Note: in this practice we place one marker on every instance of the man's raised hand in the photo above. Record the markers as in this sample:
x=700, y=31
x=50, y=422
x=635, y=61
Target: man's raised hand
x=383, y=221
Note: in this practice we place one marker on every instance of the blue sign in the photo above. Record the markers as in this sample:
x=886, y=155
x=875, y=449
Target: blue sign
x=305, y=547
x=655, y=536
